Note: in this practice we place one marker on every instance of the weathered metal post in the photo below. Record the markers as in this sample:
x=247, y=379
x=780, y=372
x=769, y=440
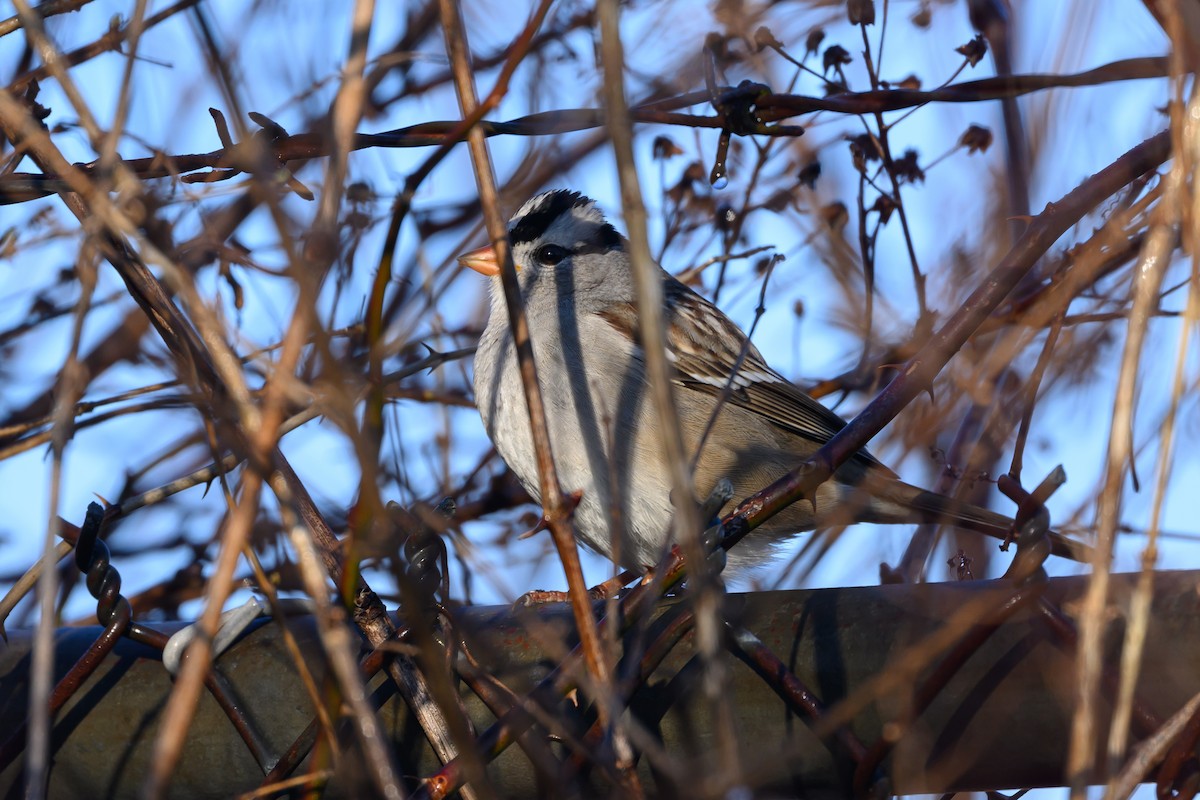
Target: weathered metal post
x=1000, y=719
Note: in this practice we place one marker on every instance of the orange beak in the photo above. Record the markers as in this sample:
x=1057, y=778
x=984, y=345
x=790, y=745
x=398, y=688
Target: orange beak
x=482, y=261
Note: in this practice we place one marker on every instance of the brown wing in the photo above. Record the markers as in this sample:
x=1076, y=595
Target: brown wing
x=705, y=352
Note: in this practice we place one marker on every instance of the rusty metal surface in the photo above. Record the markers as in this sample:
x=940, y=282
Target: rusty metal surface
x=1002, y=720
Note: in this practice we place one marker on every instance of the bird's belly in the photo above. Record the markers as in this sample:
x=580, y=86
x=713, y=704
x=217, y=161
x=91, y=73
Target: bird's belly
x=624, y=511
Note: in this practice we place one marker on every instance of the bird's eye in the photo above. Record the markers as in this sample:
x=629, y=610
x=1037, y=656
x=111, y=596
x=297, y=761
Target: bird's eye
x=550, y=254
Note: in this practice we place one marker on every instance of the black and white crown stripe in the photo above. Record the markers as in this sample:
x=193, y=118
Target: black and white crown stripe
x=534, y=219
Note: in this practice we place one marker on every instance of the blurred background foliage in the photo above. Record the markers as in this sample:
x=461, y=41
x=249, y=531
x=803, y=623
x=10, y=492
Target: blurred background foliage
x=783, y=243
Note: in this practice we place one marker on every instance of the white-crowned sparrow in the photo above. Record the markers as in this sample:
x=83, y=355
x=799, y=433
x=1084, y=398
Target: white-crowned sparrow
x=578, y=287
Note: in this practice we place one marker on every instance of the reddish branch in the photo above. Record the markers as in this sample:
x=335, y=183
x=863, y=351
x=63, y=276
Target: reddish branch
x=916, y=377
x=22, y=187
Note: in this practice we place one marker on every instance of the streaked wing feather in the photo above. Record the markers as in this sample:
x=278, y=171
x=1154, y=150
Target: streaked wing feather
x=706, y=353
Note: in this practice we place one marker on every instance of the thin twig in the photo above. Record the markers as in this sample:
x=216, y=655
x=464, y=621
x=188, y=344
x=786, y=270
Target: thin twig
x=1150, y=752
x=705, y=593
x=1153, y=263
x=557, y=506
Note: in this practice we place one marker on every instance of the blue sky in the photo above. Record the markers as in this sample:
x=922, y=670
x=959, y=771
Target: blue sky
x=1078, y=131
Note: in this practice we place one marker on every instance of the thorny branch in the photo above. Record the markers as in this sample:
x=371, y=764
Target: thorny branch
x=21, y=187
